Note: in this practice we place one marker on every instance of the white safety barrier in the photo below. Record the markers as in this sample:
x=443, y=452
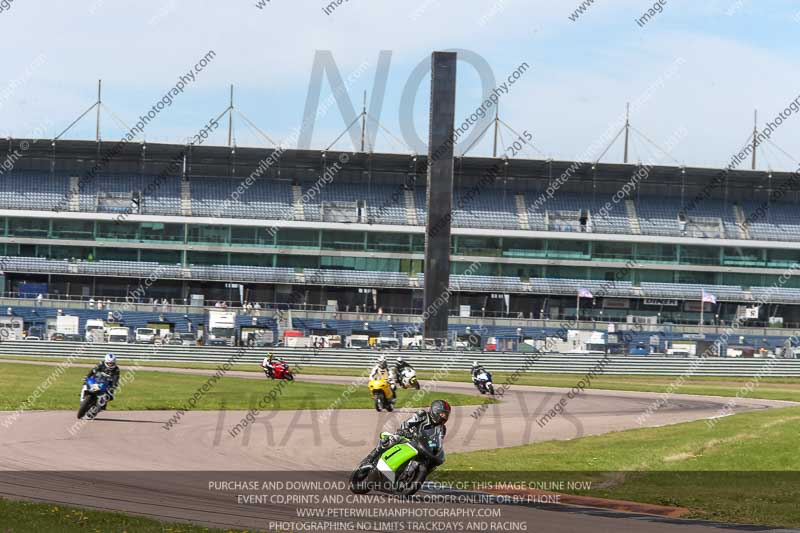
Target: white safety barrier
x=427, y=360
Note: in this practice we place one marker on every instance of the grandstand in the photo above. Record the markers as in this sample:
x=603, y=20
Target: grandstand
x=83, y=224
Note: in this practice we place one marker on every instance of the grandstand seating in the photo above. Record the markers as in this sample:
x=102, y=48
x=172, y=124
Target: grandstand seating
x=598, y=288
x=690, y=291
x=363, y=278
x=28, y=190
x=264, y=199
x=385, y=204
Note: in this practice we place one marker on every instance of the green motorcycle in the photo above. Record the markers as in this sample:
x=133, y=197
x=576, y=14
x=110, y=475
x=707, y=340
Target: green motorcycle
x=403, y=468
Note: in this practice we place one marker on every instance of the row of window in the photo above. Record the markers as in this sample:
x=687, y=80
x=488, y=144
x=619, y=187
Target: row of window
x=408, y=266
x=237, y=236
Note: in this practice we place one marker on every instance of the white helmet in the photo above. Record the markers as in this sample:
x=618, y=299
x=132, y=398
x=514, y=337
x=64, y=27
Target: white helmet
x=110, y=360
x=475, y=364
x=400, y=359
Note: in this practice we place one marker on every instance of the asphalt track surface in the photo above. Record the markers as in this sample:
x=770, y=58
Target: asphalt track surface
x=128, y=461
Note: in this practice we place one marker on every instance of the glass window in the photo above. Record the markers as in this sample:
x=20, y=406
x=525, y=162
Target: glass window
x=700, y=255
x=656, y=252
x=392, y=242
x=743, y=257
x=523, y=247
x=261, y=260
x=159, y=231
x=478, y=245
x=116, y=254
x=208, y=234
x=342, y=240
x=567, y=249
x=122, y=231
x=244, y=236
x=28, y=227
x=612, y=250
x=167, y=257
x=207, y=258
x=73, y=229
x=298, y=238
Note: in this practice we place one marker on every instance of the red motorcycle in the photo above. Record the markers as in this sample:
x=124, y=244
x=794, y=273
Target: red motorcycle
x=280, y=370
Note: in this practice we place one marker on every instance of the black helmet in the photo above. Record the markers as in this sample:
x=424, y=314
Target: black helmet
x=440, y=412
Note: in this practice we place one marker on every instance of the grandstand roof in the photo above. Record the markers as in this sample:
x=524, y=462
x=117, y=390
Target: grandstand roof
x=136, y=157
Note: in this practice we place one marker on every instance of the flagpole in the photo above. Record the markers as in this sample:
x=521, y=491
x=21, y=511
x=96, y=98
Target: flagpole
x=578, y=314
x=702, y=306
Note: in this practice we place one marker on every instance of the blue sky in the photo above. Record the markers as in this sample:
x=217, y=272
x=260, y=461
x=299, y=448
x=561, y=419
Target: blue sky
x=732, y=56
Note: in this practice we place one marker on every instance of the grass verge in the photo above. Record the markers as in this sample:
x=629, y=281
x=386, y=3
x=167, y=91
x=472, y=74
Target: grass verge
x=743, y=469
x=769, y=388
x=153, y=390
x=27, y=517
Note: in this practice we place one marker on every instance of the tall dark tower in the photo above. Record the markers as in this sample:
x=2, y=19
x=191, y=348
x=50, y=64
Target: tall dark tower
x=440, y=194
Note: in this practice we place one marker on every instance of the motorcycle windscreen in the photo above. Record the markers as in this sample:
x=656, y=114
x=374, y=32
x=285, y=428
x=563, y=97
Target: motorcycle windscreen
x=394, y=458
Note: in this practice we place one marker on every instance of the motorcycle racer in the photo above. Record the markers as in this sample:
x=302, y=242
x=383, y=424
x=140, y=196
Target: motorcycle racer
x=107, y=366
x=381, y=370
x=266, y=364
x=436, y=415
x=400, y=365
x=477, y=369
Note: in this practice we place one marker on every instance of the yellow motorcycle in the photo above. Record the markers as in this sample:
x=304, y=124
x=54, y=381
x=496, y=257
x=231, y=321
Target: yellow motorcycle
x=381, y=391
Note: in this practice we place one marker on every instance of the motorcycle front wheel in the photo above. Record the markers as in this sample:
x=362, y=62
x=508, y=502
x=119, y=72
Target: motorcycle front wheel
x=289, y=377
x=358, y=479
x=379, y=398
x=86, y=404
x=416, y=384
x=410, y=487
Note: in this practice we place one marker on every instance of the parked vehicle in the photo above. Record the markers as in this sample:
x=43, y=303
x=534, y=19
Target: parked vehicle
x=220, y=326
x=95, y=330
x=388, y=343
x=145, y=336
x=68, y=325
x=11, y=328
x=119, y=335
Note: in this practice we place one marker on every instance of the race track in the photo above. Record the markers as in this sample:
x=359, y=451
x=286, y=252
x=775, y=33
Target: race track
x=150, y=470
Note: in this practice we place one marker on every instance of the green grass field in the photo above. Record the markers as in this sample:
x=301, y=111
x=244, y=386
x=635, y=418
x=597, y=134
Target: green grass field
x=768, y=388
x=744, y=469
x=151, y=390
x=26, y=517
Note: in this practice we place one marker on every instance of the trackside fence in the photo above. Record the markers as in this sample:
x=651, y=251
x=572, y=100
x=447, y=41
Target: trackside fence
x=425, y=360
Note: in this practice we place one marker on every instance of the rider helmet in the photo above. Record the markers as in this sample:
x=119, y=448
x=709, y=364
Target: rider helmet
x=109, y=360
x=440, y=412
x=475, y=364
x=400, y=359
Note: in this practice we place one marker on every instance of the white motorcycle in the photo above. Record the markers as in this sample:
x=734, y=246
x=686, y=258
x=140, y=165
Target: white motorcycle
x=483, y=382
x=408, y=379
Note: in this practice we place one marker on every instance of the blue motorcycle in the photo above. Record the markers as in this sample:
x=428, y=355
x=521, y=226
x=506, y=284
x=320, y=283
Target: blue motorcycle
x=95, y=395
x=483, y=382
